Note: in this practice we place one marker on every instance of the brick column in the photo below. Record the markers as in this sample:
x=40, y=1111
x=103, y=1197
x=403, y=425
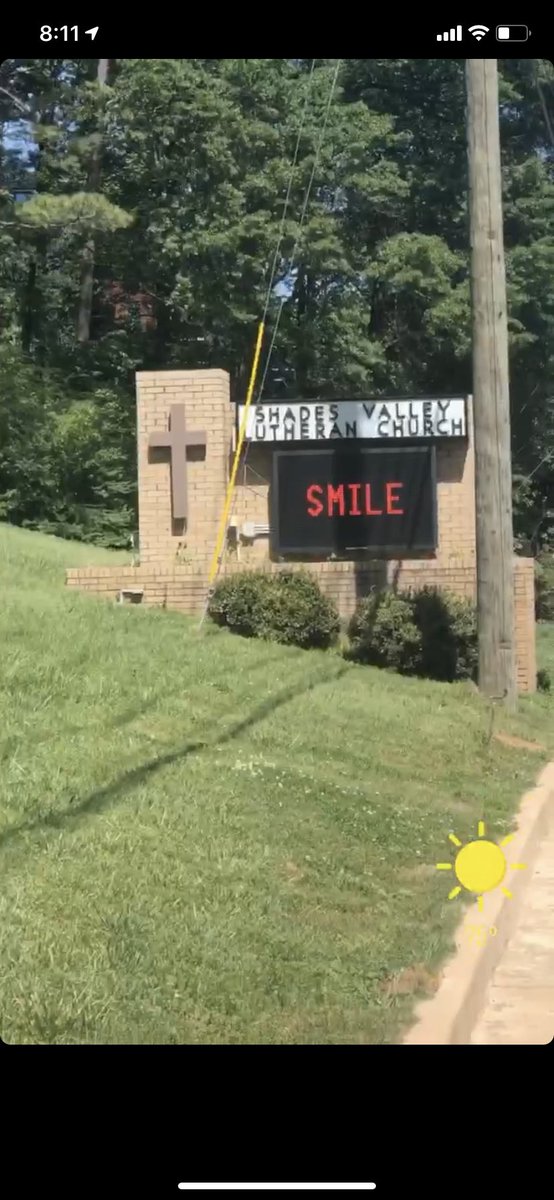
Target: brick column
x=456, y=499
x=525, y=624
x=205, y=395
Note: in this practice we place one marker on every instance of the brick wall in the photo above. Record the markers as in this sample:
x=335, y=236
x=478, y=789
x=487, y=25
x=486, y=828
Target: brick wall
x=184, y=588
x=525, y=624
x=205, y=395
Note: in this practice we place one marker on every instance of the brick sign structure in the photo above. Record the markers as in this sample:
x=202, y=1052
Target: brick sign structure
x=186, y=430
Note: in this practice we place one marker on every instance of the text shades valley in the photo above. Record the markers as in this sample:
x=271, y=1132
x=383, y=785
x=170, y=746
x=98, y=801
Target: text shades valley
x=333, y=501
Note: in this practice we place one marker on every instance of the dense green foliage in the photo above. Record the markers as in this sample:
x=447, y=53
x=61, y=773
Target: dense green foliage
x=236, y=601
x=66, y=462
x=544, y=587
x=295, y=612
x=448, y=626
x=148, y=233
x=287, y=607
x=544, y=680
x=423, y=632
x=383, y=633
x=427, y=632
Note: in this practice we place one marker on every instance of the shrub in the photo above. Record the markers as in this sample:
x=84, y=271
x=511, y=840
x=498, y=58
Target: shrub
x=426, y=632
x=384, y=634
x=236, y=602
x=295, y=612
x=544, y=682
x=544, y=588
x=287, y=607
x=448, y=627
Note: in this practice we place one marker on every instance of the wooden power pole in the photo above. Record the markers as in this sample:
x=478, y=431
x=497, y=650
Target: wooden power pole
x=491, y=398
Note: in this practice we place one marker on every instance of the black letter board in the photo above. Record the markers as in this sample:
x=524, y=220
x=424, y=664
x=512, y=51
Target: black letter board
x=333, y=501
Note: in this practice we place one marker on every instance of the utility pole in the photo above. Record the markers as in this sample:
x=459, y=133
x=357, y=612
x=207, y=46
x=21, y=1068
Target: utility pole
x=491, y=397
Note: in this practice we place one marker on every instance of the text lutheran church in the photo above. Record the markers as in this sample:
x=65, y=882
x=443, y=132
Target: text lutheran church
x=357, y=420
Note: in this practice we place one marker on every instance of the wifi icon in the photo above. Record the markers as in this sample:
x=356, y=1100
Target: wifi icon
x=478, y=31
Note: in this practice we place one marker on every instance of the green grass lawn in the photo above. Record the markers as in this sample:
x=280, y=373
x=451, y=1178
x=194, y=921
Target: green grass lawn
x=205, y=839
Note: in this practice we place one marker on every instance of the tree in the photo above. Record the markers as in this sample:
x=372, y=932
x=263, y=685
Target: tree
x=158, y=201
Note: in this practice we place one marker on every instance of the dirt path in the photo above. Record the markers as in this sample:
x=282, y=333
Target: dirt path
x=519, y=1004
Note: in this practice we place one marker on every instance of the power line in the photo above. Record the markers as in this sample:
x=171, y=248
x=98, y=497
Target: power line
x=301, y=224
x=222, y=535
x=226, y=516
x=292, y=259
x=289, y=189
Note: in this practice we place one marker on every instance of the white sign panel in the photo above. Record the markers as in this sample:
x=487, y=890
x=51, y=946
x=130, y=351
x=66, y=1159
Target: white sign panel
x=354, y=419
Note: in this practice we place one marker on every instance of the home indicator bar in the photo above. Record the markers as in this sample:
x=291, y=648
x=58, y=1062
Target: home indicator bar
x=277, y=1187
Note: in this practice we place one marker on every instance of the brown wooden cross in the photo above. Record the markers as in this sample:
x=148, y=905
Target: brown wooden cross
x=176, y=439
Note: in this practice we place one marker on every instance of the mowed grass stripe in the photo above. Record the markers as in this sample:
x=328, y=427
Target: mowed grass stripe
x=205, y=839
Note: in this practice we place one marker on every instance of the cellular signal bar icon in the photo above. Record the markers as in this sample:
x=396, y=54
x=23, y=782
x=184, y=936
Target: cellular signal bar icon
x=454, y=35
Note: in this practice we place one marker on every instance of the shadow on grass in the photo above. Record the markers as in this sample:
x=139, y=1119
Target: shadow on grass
x=11, y=744
x=126, y=717
x=97, y=800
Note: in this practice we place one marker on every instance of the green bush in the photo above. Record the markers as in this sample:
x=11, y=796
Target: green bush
x=448, y=627
x=544, y=682
x=236, y=602
x=544, y=588
x=383, y=633
x=295, y=612
x=427, y=632
x=287, y=607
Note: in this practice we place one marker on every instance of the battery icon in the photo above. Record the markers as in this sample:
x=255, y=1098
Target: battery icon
x=512, y=33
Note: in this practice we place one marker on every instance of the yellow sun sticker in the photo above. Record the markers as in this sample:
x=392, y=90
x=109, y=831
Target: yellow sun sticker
x=480, y=866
